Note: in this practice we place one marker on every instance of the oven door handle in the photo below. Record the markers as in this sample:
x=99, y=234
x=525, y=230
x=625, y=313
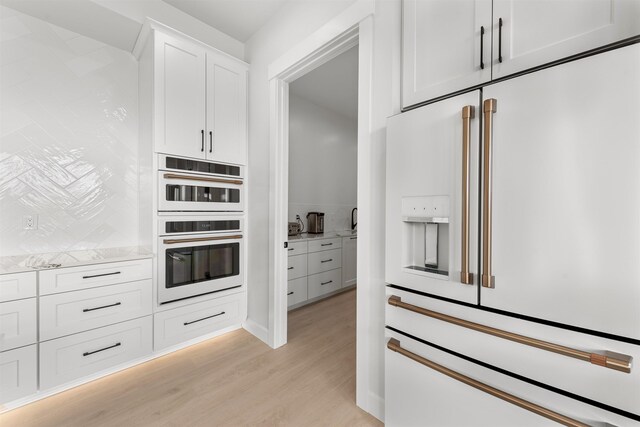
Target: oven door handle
x=201, y=239
x=203, y=179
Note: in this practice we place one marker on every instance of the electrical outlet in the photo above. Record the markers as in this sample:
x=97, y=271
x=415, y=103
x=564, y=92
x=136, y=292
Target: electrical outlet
x=30, y=222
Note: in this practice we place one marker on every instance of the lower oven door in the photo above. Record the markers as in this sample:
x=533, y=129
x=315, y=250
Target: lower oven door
x=191, y=192
x=190, y=266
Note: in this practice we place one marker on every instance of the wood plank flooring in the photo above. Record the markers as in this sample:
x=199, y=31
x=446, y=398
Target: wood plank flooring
x=232, y=380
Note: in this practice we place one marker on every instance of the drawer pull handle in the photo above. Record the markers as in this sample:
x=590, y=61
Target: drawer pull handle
x=89, y=353
x=327, y=260
x=354, y=238
x=618, y=362
x=326, y=244
x=101, y=307
x=201, y=239
x=101, y=275
x=394, y=345
x=203, y=179
x=290, y=293
x=290, y=249
x=326, y=283
x=204, y=318
x=290, y=268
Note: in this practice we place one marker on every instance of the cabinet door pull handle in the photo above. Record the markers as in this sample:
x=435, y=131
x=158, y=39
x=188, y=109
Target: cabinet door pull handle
x=490, y=106
x=210, y=141
x=326, y=283
x=327, y=260
x=290, y=268
x=482, y=47
x=100, y=275
x=101, y=307
x=326, y=244
x=290, y=293
x=290, y=249
x=204, y=318
x=202, y=145
x=468, y=113
x=394, y=345
x=500, y=40
x=354, y=238
x=89, y=353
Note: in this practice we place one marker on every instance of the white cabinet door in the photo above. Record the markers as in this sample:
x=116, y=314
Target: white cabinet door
x=18, y=373
x=424, y=182
x=535, y=32
x=441, y=47
x=180, y=97
x=566, y=194
x=349, y=261
x=18, y=323
x=226, y=110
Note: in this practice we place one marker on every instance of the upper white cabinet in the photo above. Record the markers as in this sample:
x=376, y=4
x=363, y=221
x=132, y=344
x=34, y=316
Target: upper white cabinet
x=450, y=46
x=199, y=99
x=446, y=47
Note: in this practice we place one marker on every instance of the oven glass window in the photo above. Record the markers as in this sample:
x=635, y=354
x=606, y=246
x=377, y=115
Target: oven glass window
x=195, y=193
x=199, y=166
x=186, y=266
x=193, y=226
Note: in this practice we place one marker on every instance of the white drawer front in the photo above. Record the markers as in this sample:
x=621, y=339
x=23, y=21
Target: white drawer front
x=18, y=373
x=18, y=323
x=91, y=276
x=297, y=248
x=297, y=267
x=297, y=291
x=173, y=327
x=324, y=261
x=71, y=312
x=325, y=244
x=324, y=283
x=17, y=286
x=76, y=356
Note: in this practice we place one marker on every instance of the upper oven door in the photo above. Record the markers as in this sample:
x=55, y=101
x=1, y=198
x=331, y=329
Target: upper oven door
x=191, y=192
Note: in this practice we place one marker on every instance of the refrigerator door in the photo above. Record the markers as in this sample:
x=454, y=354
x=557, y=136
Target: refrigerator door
x=431, y=152
x=565, y=190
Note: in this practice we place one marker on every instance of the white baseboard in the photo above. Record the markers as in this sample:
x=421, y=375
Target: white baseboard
x=257, y=330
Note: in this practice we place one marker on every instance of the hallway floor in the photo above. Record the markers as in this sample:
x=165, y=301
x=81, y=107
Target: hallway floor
x=231, y=380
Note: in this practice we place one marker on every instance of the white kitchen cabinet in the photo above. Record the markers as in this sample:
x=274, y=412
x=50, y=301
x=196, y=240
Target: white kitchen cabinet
x=442, y=44
x=349, y=261
x=535, y=32
x=17, y=286
x=324, y=283
x=18, y=323
x=18, y=373
x=296, y=291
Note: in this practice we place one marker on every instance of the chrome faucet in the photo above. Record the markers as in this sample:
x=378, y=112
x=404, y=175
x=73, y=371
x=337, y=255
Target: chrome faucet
x=354, y=222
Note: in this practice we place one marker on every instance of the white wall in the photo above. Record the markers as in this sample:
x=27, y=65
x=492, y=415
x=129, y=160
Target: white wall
x=323, y=160
x=68, y=139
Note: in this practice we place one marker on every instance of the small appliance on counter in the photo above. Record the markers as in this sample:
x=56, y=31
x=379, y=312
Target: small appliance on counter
x=294, y=228
x=315, y=222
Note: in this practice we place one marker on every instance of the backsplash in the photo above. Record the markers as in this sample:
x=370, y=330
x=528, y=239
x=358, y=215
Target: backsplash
x=336, y=217
x=68, y=139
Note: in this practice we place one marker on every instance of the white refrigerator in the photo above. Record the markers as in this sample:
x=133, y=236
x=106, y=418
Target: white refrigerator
x=513, y=251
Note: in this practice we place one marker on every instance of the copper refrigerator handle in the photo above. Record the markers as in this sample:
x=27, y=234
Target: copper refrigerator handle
x=200, y=239
x=489, y=107
x=202, y=178
x=618, y=362
x=394, y=345
x=468, y=113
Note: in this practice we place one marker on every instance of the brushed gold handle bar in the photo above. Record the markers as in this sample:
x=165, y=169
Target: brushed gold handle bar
x=394, y=345
x=203, y=178
x=468, y=112
x=489, y=107
x=201, y=239
x=619, y=362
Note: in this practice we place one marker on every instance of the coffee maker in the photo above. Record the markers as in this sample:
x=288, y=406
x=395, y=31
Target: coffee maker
x=315, y=222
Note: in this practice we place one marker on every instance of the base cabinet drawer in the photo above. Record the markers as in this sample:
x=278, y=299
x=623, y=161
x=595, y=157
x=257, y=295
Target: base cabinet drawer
x=325, y=244
x=18, y=323
x=182, y=324
x=324, y=261
x=297, y=267
x=324, y=283
x=91, y=276
x=18, y=373
x=76, y=356
x=297, y=248
x=17, y=286
x=78, y=311
x=296, y=291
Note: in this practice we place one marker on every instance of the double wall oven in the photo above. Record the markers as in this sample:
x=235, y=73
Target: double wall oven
x=200, y=228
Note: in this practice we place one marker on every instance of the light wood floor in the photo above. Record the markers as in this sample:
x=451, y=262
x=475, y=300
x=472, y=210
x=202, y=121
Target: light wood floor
x=232, y=380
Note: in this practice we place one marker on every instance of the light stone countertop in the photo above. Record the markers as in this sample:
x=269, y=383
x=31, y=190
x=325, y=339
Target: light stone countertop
x=35, y=262
x=329, y=235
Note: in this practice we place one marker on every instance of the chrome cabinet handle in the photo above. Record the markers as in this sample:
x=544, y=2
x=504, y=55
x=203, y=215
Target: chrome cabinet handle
x=489, y=107
x=468, y=113
x=101, y=275
x=394, y=345
x=327, y=260
x=326, y=283
x=619, y=362
x=201, y=239
x=89, y=353
x=482, y=47
x=204, y=318
x=85, y=310
x=202, y=178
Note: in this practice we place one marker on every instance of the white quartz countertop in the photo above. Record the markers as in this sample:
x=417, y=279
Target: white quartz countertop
x=46, y=261
x=306, y=236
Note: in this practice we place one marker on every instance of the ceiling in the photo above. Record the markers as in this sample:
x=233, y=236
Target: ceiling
x=239, y=19
x=333, y=85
